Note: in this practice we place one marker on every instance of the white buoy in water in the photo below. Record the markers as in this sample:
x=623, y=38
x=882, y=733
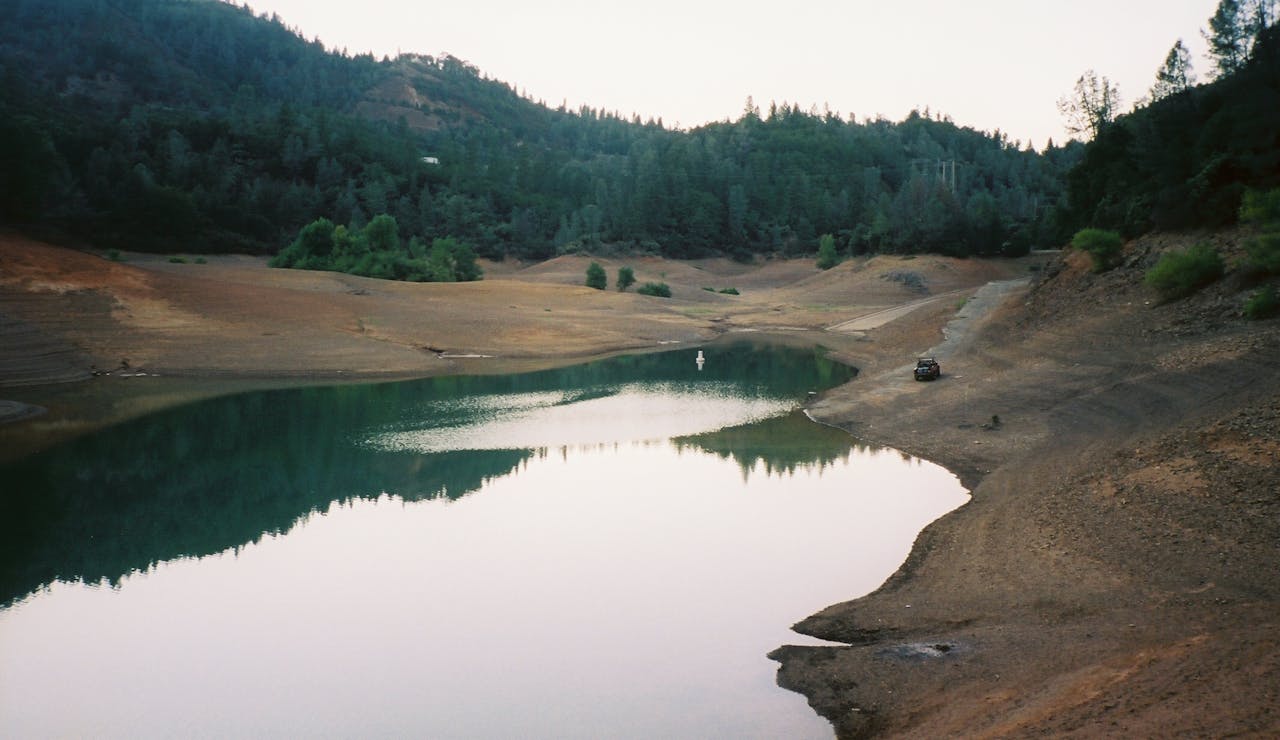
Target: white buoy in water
x=701, y=360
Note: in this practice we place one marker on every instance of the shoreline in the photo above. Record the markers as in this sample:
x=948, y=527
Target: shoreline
x=61, y=410
x=1111, y=573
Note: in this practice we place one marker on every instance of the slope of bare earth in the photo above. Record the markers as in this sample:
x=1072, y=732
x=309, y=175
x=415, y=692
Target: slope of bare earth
x=1115, y=573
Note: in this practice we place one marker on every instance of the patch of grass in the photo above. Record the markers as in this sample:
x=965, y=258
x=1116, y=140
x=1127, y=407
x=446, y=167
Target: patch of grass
x=178, y=260
x=698, y=312
x=201, y=261
x=1263, y=304
x=729, y=291
x=114, y=255
x=708, y=288
x=1179, y=274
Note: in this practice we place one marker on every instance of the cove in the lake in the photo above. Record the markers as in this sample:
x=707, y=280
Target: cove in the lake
x=607, y=550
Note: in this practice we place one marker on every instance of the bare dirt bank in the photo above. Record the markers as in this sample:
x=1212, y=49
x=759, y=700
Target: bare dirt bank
x=1115, y=573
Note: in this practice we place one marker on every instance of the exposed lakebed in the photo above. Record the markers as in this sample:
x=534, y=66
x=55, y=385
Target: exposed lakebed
x=607, y=550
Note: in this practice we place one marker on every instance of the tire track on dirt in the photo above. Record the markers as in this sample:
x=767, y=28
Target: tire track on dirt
x=883, y=316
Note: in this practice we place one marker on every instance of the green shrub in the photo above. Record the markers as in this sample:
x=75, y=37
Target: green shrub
x=729, y=291
x=626, y=278
x=708, y=288
x=661, y=290
x=827, y=256
x=1261, y=207
x=596, y=277
x=178, y=260
x=1102, y=245
x=201, y=261
x=1263, y=304
x=1264, y=252
x=1179, y=274
x=377, y=251
x=114, y=255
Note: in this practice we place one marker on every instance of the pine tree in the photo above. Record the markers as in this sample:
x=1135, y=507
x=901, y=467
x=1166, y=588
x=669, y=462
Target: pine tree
x=1228, y=38
x=1176, y=75
x=827, y=257
x=1093, y=104
x=1258, y=17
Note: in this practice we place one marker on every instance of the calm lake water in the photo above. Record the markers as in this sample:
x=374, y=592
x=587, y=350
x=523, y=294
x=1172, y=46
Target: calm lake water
x=608, y=550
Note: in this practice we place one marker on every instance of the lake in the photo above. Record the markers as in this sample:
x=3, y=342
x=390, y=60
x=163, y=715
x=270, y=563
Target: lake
x=607, y=550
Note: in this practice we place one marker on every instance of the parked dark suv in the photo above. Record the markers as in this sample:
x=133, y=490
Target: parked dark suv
x=927, y=368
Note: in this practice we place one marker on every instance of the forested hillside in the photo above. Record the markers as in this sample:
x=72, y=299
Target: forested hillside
x=193, y=125
x=1185, y=160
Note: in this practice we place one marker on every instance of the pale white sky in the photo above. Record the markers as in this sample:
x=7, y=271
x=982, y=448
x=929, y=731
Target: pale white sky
x=989, y=64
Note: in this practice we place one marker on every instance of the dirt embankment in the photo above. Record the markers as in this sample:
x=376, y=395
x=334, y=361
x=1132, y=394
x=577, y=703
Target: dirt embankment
x=1115, y=573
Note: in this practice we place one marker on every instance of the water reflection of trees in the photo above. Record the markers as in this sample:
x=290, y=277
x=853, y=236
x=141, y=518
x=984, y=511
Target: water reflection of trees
x=212, y=476
x=781, y=445
x=200, y=480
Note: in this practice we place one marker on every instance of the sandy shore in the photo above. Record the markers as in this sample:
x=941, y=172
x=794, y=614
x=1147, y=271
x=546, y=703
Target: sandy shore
x=1114, y=573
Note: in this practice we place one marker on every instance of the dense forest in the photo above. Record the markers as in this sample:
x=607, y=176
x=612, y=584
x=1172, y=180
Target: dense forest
x=194, y=125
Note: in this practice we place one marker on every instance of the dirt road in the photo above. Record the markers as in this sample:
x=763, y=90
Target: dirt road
x=879, y=318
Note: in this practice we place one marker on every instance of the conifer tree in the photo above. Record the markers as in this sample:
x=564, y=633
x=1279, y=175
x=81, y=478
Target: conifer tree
x=1228, y=38
x=827, y=257
x=1176, y=75
x=1093, y=104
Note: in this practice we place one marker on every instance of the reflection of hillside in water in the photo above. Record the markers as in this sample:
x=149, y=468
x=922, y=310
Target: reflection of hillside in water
x=209, y=477
x=781, y=445
x=201, y=480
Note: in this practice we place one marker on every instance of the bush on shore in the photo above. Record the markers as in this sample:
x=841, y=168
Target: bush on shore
x=1102, y=245
x=1179, y=274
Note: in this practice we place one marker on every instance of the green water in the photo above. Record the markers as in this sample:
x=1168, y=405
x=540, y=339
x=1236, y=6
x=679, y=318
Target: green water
x=606, y=550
